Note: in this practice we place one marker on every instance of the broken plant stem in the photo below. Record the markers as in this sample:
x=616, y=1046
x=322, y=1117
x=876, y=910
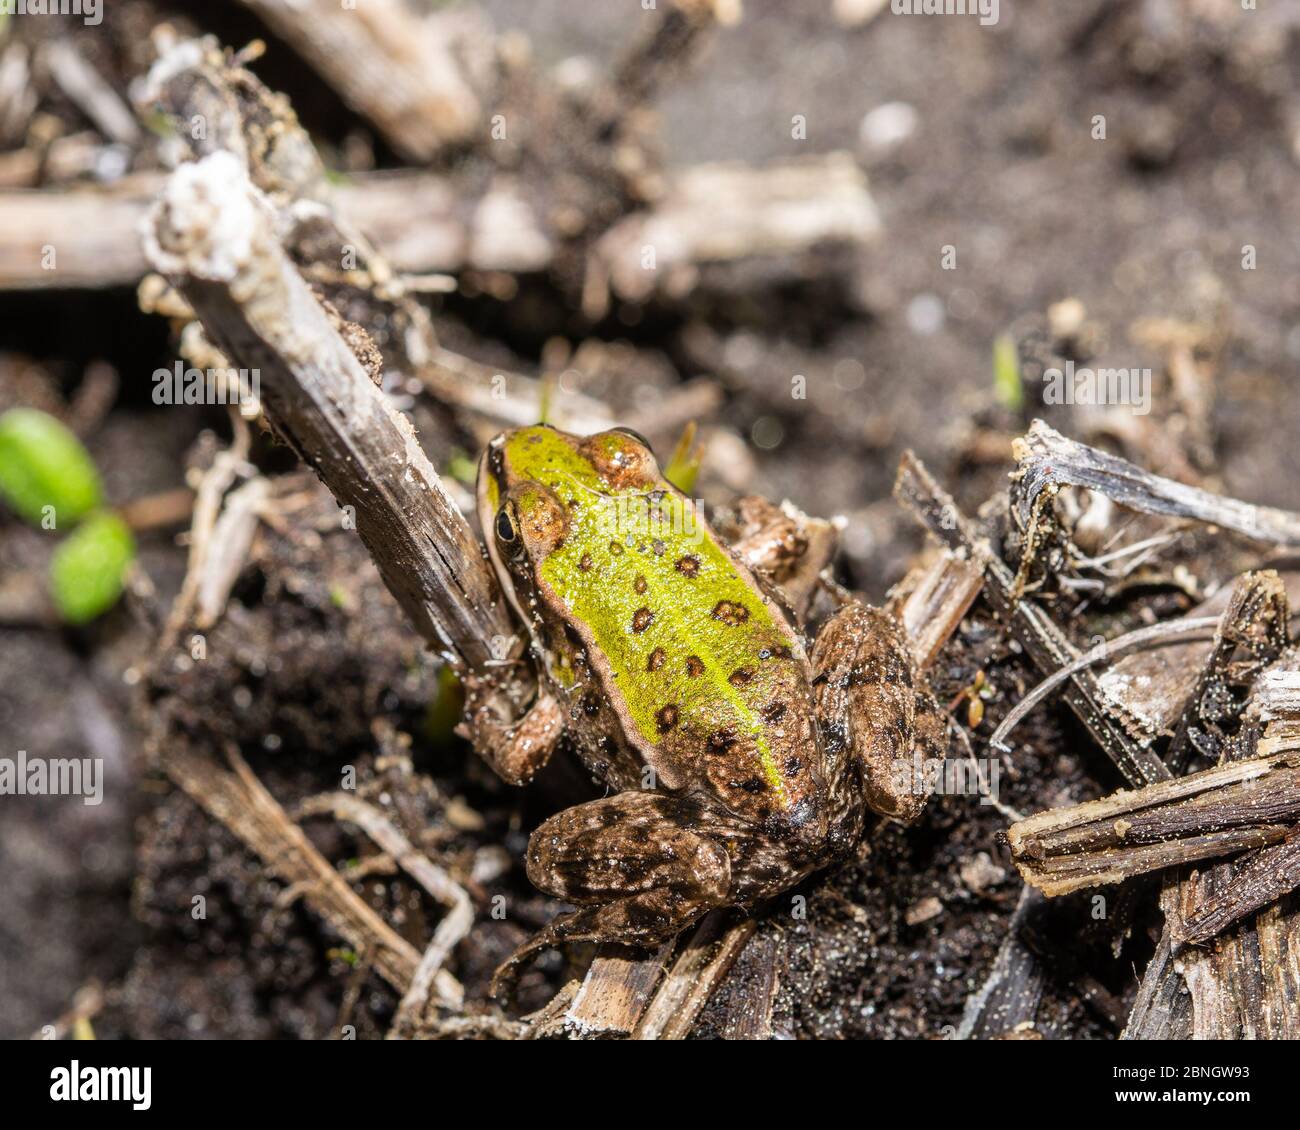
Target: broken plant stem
x=1111, y=649
x=1246, y=804
x=213, y=235
x=1032, y=627
x=1048, y=459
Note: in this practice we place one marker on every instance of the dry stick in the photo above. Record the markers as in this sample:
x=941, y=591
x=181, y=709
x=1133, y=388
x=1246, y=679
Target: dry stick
x=1011, y=992
x=158, y=511
x=87, y=89
x=1110, y=649
x=1048, y=459
x=400, y=70
x=421, y=223
x=725, y=212
x=931, y=602
x=699, y=970
x=213, y=236
x=748, y=1013
x=1271, y=874
x=1152, y=689
x=434, y=879
x=225, y=468
x=1275, y=870
x=231, y=540
x=504, y=399
x=1240, y=988
x=615, y=992
x=86, y=1005
x=1240, y=805
x=666, y=47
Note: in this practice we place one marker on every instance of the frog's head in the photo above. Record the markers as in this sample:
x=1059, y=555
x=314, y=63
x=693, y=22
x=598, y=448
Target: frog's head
x=536, y=485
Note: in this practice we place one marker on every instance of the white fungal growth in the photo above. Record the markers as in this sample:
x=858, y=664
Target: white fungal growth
x=205, y=222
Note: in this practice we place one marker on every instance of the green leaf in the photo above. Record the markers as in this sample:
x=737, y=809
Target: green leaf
x=42, y=464
x=87, y=569
x=1006, y=373
x=684, y=466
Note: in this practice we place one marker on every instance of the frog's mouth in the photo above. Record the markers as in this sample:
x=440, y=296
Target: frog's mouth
x=488, y=499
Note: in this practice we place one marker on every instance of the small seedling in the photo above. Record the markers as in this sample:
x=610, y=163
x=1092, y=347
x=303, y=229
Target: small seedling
x=1006, y=374
x=49, y=479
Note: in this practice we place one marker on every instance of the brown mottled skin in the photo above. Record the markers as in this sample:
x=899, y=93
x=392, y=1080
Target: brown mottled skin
x=746, y=797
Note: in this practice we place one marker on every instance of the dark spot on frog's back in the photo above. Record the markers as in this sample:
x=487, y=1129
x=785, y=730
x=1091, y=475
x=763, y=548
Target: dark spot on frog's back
x=642, y=618
x=666, y=718
x=731, y=613
x=640, y=584
x=586, y=563
x=741, y=676
x=689, y=565
x=722, y=740
x=694, y=666
x=657, y=659
x=773, y=712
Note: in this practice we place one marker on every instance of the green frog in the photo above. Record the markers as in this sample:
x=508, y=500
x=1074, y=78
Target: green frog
x=738, y=759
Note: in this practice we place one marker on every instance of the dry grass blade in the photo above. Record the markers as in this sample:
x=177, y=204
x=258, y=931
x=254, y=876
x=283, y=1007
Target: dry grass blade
x=454, y=926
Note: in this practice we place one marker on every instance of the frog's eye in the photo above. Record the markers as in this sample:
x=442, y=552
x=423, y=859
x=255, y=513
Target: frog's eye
x=507, y=532
x=635, y=435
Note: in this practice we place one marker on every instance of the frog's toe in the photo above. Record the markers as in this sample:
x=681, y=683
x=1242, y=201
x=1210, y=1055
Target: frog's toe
x=642, y=920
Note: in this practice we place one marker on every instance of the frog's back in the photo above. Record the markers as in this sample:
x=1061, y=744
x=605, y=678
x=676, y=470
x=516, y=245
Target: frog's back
x=710, y=681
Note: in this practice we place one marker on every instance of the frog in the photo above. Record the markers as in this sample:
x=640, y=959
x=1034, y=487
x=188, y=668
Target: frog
x=737, y=755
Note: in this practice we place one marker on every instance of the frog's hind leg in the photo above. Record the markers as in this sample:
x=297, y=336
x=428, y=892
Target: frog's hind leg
x=877, y=716
x=636, y=866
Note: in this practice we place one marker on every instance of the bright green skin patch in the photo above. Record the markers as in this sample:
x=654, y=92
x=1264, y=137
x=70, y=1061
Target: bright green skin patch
x=694, y=655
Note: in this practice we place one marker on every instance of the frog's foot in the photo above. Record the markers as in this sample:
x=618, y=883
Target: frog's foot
x=636, y=866
x=516, y=748
x=876, y=713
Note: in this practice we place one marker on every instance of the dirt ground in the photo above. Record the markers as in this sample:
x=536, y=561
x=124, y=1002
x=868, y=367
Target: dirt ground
x=1202, y=122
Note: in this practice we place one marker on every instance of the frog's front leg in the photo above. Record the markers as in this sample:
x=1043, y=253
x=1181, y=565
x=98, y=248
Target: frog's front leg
x=637, y=865
x=784, y=546
x=880, y=724
x=516, y=747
